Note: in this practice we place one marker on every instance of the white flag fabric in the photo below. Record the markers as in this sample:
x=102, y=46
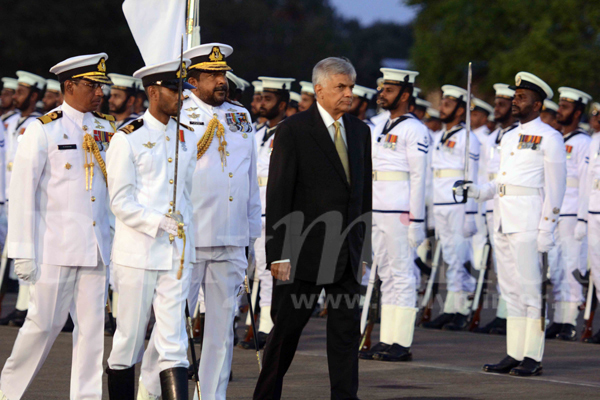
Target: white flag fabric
x=157, y=26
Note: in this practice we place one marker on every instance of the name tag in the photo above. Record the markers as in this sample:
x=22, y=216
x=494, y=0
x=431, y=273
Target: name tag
x=196, y=123
x=67, y=146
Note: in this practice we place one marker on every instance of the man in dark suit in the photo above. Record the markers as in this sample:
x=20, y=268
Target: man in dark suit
x=318, y=228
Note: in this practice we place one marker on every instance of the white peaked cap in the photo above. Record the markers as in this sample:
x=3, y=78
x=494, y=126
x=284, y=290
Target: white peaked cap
x=10, y=83
x=504, y=90
x=276, y=84
x=432, y=113
x=526, y=80
x=123, y=82
x=89, y=66
x=257, y=86
x=307, y=87
x=398, y=76
x=295, y=97
x=573, y=95
x=478, y=103
x=454, y=92
x=52, y=86
x=28, y=79
x=364, y=92
x=595, y=109
x=422, y=103
x=164, y=74
x=209, y=57
x=550, y=105
x=416, y=91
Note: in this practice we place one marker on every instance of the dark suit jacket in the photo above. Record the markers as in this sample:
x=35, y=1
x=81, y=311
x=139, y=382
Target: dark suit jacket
x=307, y=188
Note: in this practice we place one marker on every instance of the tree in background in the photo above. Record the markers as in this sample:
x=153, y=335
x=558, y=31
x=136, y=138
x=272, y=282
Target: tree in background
x=558, y=40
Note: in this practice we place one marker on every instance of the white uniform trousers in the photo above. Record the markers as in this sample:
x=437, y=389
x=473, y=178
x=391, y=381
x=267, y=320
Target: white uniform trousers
x=456, y=250
x=59, y=291
x=221, y=272
x=520, y=277
x=489, y=219
x=266, y=282
x=139, y=291
x=569, y=255
x=594, y=249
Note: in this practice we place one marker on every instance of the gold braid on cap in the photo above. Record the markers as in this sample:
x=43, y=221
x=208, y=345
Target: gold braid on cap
x=214, y=126
x=91, y=147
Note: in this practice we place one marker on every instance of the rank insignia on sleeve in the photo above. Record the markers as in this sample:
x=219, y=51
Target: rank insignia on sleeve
x=529, y=142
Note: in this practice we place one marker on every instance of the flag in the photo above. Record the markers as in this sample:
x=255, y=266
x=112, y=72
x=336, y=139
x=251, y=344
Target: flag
x=157, y=26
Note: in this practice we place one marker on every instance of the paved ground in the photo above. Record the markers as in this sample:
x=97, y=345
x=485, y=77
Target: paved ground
x=447, y=365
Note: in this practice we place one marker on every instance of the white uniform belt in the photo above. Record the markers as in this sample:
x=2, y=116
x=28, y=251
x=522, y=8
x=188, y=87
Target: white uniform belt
x=596, y=184
x=514, y=190
x=390, y=176
x=262, y=181
x=492, y=176
x=448, y=173
x=572, y=182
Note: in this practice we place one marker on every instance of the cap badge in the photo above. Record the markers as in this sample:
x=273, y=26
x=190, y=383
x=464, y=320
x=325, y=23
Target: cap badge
x=216, y=54
x=518, y=80
x=182, y=73
x=102, y=65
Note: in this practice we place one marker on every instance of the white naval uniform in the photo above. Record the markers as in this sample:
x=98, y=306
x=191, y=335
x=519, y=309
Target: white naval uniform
x=525, y=202
x=569, y=254
x=263, y=149
x=65, y=229
x=448, y=167
x=400, y=149
x=479, y=239
x=3, y=217
x=141, y=177
x=226, y=217
x=490, y=163
x=592, y=209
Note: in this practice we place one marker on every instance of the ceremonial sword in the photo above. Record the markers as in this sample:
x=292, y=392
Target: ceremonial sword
x=465, y=180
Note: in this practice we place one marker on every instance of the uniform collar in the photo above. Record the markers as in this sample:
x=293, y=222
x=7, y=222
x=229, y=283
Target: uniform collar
x=155, y=124
x=531, y=125
x=327, y=118
x=73, y=114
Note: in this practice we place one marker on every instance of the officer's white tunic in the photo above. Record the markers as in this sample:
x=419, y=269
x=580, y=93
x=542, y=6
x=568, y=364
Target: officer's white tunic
x=528, y=193
x=591, y=200
x=65, y=229
x=15, y=127
x=226, y=216
x=141, y=179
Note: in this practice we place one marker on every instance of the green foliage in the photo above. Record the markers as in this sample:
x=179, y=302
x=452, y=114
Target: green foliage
x=558, y=40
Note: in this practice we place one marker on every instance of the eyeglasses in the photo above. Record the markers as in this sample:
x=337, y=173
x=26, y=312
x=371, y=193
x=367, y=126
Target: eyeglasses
x=94, y=86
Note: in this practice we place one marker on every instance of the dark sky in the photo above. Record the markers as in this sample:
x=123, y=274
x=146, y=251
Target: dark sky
x=369, y=11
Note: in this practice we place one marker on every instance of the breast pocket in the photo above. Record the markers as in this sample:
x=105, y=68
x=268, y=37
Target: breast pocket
x=66, y=164
x=144, y=161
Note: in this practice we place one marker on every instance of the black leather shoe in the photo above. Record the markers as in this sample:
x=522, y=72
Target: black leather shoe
x=553, y=330
x=249, y=345
x=594, y=339
x=121, y=383
x=174, y=383
x=369, y=354
x=439, y=322
x=567, y=333
x=496, y=327
x=15, y=318
x=458, y=323
x=394, y=353
x=528, y=367
x=503, y=367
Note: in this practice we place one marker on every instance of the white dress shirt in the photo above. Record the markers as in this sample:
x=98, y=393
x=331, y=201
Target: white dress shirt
x=329, y=124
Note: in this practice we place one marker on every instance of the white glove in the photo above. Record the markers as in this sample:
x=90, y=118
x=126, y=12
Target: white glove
x=27, y=270
x=472, y=190
x=469, y=227
x=545, y=241
x=416, y=234
x=168, y=225
x=580, y=230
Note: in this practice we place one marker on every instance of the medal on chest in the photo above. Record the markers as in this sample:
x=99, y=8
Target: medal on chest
x=182, y=140
x=390, y=141
x=238, y=122
x=529, y=142
x=569, y=150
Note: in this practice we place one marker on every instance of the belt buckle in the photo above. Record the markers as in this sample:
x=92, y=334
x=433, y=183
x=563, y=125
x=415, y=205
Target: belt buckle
x=374, y=175
x=436, y=173
x=501, y=189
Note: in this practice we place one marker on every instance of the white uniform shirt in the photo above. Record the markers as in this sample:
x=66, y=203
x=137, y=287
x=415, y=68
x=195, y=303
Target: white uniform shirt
x=482, y=133
x=402, y=145
x=449, y=154
x=529, y=154
x=2, y=163
x=226, y=198
x=490, y=157
x=264, y=148
x=591, y=196
x=141, y=171
x=15, y=128
x=53, y=218
x=577, y=145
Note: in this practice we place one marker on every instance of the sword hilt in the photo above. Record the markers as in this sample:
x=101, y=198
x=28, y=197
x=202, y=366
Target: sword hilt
x=460, y=184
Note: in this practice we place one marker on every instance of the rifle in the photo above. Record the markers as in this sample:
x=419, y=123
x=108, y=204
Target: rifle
x=544, y=284
x=368, y=295
x=373, y=312
x=481, y=288
x=462, y=183
x=591, y=303
x=432, y=287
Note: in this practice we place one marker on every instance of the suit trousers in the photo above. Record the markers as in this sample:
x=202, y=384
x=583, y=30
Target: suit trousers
x=59, y=291
x=295, y=302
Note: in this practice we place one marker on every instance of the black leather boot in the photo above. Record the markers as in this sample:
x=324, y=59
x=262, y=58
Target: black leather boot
x=174, y=383
x=503, y=367
x=15, y=318
x=496, y=327
x=369, y=354
x=594, y=339
x=439, y=322
x=567, y=333
x=553, y=330
x=121, y=383
x=528, y=367
x=394, y=353
x=458, y=323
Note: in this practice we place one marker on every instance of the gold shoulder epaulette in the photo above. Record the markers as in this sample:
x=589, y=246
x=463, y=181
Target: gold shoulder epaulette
x=186, y=97
x=189, y=128
x=104, y=116
x=235, y=102
x=132, y=126
x=53, y=116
